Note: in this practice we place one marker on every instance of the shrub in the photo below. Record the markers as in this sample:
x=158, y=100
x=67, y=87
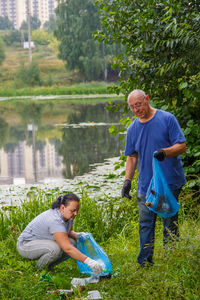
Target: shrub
x=28, y=75
x=12, y=37
x=40, y=37
x=106, y=217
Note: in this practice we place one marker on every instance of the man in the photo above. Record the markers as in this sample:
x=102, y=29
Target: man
x=157, y=131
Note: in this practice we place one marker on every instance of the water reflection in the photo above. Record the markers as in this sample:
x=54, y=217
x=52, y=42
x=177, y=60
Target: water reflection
x=37, y=145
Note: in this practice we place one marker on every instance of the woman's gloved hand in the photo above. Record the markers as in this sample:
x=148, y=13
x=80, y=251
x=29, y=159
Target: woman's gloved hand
x=94, y=265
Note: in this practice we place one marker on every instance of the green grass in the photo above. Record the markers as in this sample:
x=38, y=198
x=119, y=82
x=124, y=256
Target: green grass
x=47, y=103
x=50, y=66
x=56, y=80
x=77, y=89
x=114, y=224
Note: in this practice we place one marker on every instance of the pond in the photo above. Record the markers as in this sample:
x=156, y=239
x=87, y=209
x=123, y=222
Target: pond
x=42, y=141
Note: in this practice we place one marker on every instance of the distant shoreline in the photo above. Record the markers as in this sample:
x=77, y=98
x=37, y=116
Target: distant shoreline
x=52, y=97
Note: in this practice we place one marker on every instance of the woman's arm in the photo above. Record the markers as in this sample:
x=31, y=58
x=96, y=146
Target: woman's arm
x=64, y=243
x=72, y=234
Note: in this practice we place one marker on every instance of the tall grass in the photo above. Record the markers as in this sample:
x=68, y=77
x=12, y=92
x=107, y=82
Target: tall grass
x=114, y=224
x=55, y=78
x=82, y=89
x=106, y=217
x=103, y=217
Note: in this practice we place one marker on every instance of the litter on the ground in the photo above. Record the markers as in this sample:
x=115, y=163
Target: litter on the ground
x=105, y=276
x=63, y=294
x=68, y=292
x=45, y=277
x=83, y=281
x=79, y=284
x=93, y=295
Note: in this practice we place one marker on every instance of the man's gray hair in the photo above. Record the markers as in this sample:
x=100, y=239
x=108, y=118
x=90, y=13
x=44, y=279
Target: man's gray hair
x=136, y=92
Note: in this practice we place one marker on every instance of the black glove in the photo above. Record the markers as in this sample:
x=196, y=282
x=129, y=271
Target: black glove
x=160, y=155
x=126, y=189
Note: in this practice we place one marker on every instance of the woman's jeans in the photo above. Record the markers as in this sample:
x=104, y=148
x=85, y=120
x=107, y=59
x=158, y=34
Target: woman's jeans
x=48, y=252
x=147, y=221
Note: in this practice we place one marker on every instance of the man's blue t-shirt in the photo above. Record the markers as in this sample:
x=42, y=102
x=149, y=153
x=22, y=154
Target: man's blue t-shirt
x=161, y=131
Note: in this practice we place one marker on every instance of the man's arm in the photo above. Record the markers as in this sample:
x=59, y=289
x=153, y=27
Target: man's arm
x=175, y=150
x=131, y=165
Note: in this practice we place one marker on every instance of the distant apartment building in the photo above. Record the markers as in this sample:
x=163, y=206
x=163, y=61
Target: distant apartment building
x=17, y=10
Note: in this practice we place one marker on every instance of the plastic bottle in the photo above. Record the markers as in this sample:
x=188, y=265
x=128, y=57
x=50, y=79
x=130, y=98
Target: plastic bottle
x=166, y=207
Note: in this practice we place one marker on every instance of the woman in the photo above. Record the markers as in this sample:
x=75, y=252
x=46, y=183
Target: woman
x=49, y=237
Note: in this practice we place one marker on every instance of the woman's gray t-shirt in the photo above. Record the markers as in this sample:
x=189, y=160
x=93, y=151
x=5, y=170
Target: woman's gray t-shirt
x=45, y=225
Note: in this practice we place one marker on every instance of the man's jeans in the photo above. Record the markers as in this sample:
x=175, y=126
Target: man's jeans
x=147, y=221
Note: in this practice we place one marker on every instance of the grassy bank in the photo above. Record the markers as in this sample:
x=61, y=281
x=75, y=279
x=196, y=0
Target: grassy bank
x=114, y=224
x=52, y=69
x=55, y=79
x=94, y=88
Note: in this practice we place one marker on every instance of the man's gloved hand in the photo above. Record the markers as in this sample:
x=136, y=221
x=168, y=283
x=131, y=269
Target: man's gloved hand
x=126, y=189
x=94, y=265
x=160, y=154
x=81, y=235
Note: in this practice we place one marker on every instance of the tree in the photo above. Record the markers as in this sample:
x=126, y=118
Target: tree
x=50, y=25
x=162, y=57
x=35, y=24
x=12, y=37
x=41, y=37
x=28, y=75
x=24, y=26
x=2, y=51
x=76, y=21
x=5, y=23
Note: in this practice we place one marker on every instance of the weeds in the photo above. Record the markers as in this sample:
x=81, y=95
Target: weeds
x=52, y=74
x=73, y=90
x=113, y=223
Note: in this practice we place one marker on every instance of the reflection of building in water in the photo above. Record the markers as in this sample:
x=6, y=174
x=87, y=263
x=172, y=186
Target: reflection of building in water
x=16, y=162
x=20, y=163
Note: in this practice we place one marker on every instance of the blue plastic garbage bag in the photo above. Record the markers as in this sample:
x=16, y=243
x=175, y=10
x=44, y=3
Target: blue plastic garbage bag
x=159, y=197
x=88, y=246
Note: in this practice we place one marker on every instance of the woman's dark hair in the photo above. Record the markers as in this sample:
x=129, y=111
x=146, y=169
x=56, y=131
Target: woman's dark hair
x=64, y=200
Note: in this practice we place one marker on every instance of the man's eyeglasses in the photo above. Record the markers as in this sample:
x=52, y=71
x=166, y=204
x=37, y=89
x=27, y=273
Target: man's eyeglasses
x=138, y=104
